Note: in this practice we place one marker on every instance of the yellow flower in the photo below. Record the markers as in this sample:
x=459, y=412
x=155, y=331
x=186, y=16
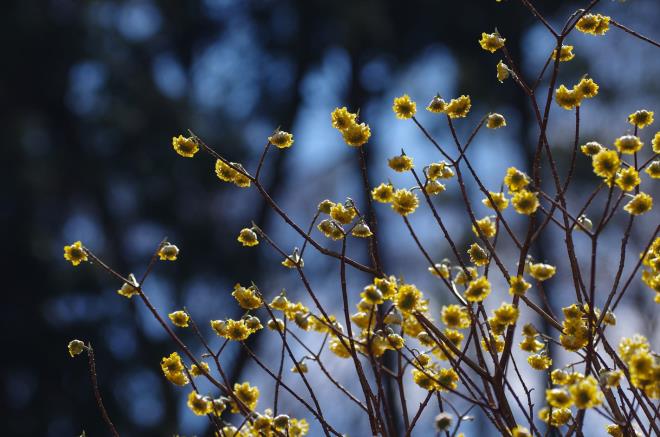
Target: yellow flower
x=486, y=226
x=565, y=54
x=614, y=430
x=499, y=199
x=236, y=330
x=518, y=286
x=525, y=202
x=478, y=256
x=342, y=214
x=405, y=202
x=433, y=187
x=628, y=144
x=172, y=368
x=400, y=163
x=567, y=99
x=559, y=417
x=129, y=290
x=247, y=298
x=641, y=118
x=491, y=42
x=611, y=378
x=247, y=237
x=558, y=398
x=586, y=88
x=447, y=379
x=76, y=347
x=384, y=193
x=495, y=121
x=338, y=348
x=639, y=204
x=585, y=393
x=593, y=24
x=200, y=405
x=186, y=147
x=437, y=105
x=520, y=431
x=179, y=318
x=331, y=229
x=403, y=107
x=459, y=107
x=293, y=261
x=655, y=142
x=75, y=253
x=506, y=314
x=342, y=119
x=196, y=370
x=439, y=170
x=591, y=148
x=653, y=170
x=455, y=316
x=281, y=139
x=559, y=377
x=224, y=171
x=409, y=299
x=168, y=252
x=247, y=394
x=357, y=134
x=361, y=230
x=539, y=361
x=503, y=71
x=531, y=344
x=627, y=179
x=606, y=163
x=477, y=290
x=515, y=180
x=541, y=272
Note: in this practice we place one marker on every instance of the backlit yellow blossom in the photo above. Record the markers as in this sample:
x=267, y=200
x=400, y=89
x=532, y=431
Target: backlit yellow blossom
x=486, y=226
x=342, y=119
x=337, y=347
x=640, y=204
x=75, y=347
x=518, y=286
x=477, y=290
x=515, y=180
x=503, y=71
x=179, y=318
x=400, y=163
x=437, y=105
x=591, y=148
x=459, y=107
x=409, y=299
x=331, y=229
x=247, y=237
x=585, y=393
x=384, y=193
x=247, y=298
x=559, y=417
x=439, y=170
x=281, y=139
x=356, y=134
x=403, y=107
x=653, y=170
x=567, y=99
x=641, y=118
x=236, y=330
x=586, y=88
x=491, y=42
x=186, y=147
x=499, y=201
x=200, y=405
x=293, y=261
x=224, y=171
x=478, y=256
x=593, y=24
x=75, y=253
x=495, y=121
x=200, y=370
x=520, y=431
x=361, y=230
x=130, y=289
x=539, y=361
x=541, y=271
x=606, y=163
x=614, y=430
x=455, y=317
x=506, y=314
x=172, y=368
x=405, y=202
x=433, y=187
x=627, y=179
x=655, y=142
x=168, y=252
x=628, y=144
x=525, y=202
x=565, y=54
x=343, y=214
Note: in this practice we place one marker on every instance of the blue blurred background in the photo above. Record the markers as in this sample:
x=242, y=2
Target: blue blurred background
x=92, y=93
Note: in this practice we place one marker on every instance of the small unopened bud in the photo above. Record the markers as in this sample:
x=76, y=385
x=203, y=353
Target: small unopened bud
x=443, y=422
x=76, y=347
x=361, y=230
x=585, y=222
x=253, y=323
x=300, y=368
x=281, y=421
x=276, y=325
